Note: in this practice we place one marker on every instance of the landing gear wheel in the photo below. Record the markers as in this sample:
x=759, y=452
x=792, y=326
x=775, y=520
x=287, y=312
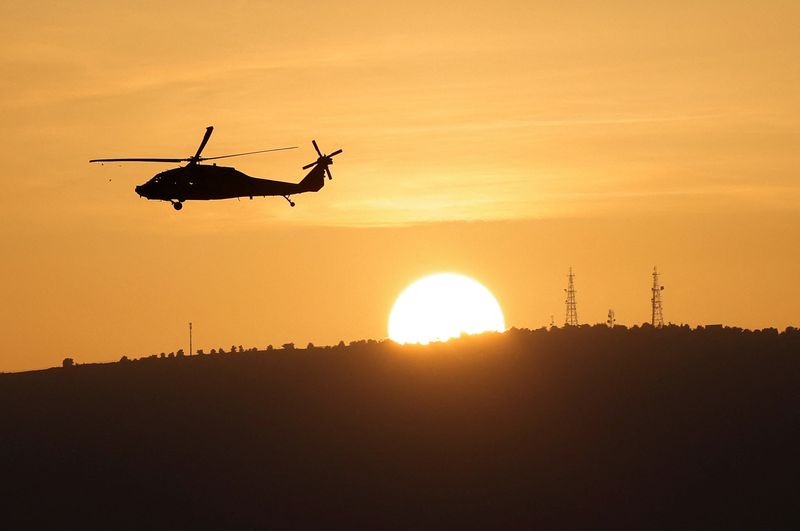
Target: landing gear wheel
x=291, y=203
x=177, y=205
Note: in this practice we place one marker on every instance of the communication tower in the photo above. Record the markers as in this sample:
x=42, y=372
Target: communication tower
x=657, y=310
x=572, y=311
x=612, y=320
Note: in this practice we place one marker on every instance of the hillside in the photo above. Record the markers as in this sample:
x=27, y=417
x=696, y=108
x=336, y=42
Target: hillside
x=587, y=427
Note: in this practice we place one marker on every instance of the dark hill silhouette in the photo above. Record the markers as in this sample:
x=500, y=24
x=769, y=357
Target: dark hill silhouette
x=586, y=427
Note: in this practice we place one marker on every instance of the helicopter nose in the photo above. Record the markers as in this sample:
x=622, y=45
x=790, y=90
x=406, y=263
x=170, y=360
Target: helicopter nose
x=138, y=190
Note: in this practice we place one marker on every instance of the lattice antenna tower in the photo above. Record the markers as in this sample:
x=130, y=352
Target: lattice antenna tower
x=572, y=310
x=655, y=301
x=612, y=319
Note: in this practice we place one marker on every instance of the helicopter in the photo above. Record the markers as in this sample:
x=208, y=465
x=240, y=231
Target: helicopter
x=200, y=182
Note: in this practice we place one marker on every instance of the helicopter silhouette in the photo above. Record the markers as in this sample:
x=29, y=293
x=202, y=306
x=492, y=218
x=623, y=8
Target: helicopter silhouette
x=201, y=182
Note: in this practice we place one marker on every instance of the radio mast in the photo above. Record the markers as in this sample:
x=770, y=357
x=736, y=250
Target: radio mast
x=657, y=311
x=572, y=310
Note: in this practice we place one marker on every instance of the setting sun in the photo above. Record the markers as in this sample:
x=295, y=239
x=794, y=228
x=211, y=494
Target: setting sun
x=442, y=306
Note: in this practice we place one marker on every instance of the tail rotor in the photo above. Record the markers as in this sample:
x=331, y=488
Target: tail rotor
x=323, y=160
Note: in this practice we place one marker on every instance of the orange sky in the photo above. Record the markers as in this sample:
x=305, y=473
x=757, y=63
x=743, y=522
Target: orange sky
x=503, y=140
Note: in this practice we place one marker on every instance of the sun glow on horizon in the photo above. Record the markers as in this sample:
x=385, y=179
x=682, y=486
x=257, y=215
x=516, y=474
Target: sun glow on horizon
x=443, y=306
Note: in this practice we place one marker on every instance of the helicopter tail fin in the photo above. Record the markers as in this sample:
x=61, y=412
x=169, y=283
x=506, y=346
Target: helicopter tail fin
x=314, y=181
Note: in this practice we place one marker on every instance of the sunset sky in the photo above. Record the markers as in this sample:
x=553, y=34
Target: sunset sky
x=506, y=141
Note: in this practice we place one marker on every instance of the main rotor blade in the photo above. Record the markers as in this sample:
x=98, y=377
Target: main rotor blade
x=316, y=147
x=139, y=160
x=247, y=153
x=335, y=152
x=307, y=166
x=209, y=130
x=329, y=173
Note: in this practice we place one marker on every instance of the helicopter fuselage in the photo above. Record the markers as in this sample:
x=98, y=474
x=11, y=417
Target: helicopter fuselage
x=206, y=182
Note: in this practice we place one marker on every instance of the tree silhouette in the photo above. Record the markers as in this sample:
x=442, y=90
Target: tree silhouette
x=68, y=362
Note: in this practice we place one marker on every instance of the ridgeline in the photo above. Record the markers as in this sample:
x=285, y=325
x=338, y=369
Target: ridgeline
x=583, y=427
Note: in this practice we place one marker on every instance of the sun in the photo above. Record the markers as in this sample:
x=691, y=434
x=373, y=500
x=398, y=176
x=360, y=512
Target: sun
x=442, y=306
